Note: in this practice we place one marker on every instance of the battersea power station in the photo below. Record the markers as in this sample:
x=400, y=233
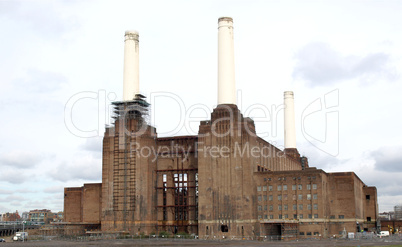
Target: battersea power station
x=225, y=182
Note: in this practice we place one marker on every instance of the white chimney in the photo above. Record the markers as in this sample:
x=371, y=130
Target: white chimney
x=131, y=65
x=290, y=129
x=226, y=75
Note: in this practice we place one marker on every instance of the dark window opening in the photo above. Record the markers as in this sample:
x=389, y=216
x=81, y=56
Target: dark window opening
x=368, y=218
x=367, y=197
x=224, y=228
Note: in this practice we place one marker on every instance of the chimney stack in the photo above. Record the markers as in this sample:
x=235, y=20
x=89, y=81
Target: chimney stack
x=226, y=73
x=290, y=129
x=131, y=65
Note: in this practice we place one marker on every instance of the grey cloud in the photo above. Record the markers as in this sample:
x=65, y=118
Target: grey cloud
x=20, y=159
x=93, y=144
x=54, y=189
x=317, y=158
x=88, y=169
x=14, y=176
x=2, y=192
x=319, y=64
x=388, y=159
x=27, y=191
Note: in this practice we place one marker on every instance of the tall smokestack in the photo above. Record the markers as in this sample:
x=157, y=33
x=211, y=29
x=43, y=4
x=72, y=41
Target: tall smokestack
x=290, y=129
x=226, y=75
x=131, y=65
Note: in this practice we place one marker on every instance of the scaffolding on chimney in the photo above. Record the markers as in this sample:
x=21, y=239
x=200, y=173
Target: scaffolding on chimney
x=125, y=163
x=138, y=108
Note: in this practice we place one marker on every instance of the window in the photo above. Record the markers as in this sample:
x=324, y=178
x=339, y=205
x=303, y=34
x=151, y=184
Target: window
x=164, y=178
x=310, y=216
x=309, y=206
x=279, y=187
x=315, y=206
x=285, y=207
x=259, y=217
x=300, y=197
x=294, y=187
x=315, y=216
x=332, y=216
x=367, y=197
x=286, y=216
x=309, y=186
x=316, y=233
x=295, y=216
x=279, y=197
x=280, y=216
x=368, y=218
x=270, y=188
x=301, y=206
x=315, y=196
x=341, y=216
x=259, y=208
x=271, y=207
x=294, y=197
x=308, y=233
x=308, y=196
x=294, y=206
x=258, y=188
x=300, y=187
x=265, y=197
x=259, y=198
x=314, y=186
x=264, y=188
x=301, y=233
x=279, y=207
x=300, y=216
x=285, y=187
x=271, y=216
x=270, y=198
x=265, y=207
x=285, y=197
x=265, y=216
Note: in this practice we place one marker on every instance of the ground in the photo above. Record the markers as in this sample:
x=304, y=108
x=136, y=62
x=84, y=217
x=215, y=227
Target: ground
x=178, y=242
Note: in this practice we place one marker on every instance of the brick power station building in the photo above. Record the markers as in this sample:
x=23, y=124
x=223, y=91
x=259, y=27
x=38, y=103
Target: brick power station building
x=224, y=182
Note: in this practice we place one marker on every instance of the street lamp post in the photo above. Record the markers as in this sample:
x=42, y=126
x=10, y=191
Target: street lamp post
x=23, y=231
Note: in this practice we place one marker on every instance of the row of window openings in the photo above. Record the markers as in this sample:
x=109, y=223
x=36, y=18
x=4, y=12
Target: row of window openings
x=294, y=178
x=285, y=187
x=286, y=216
x=285, y=197
x=285, y=207
x=179, y=177
x=309, y=233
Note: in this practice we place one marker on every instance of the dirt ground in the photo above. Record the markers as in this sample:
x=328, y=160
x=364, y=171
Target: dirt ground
x=173, y=242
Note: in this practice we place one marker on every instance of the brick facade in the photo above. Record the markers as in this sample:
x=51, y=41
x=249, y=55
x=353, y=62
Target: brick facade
x=224, y=182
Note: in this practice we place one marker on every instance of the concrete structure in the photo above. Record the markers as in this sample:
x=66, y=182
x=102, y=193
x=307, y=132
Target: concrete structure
x=226, y=182
x=131, y=75
x=226, y=67
x=289, y=120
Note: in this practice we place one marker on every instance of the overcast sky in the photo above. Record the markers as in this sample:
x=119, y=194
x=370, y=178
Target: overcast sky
x=61, y=64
